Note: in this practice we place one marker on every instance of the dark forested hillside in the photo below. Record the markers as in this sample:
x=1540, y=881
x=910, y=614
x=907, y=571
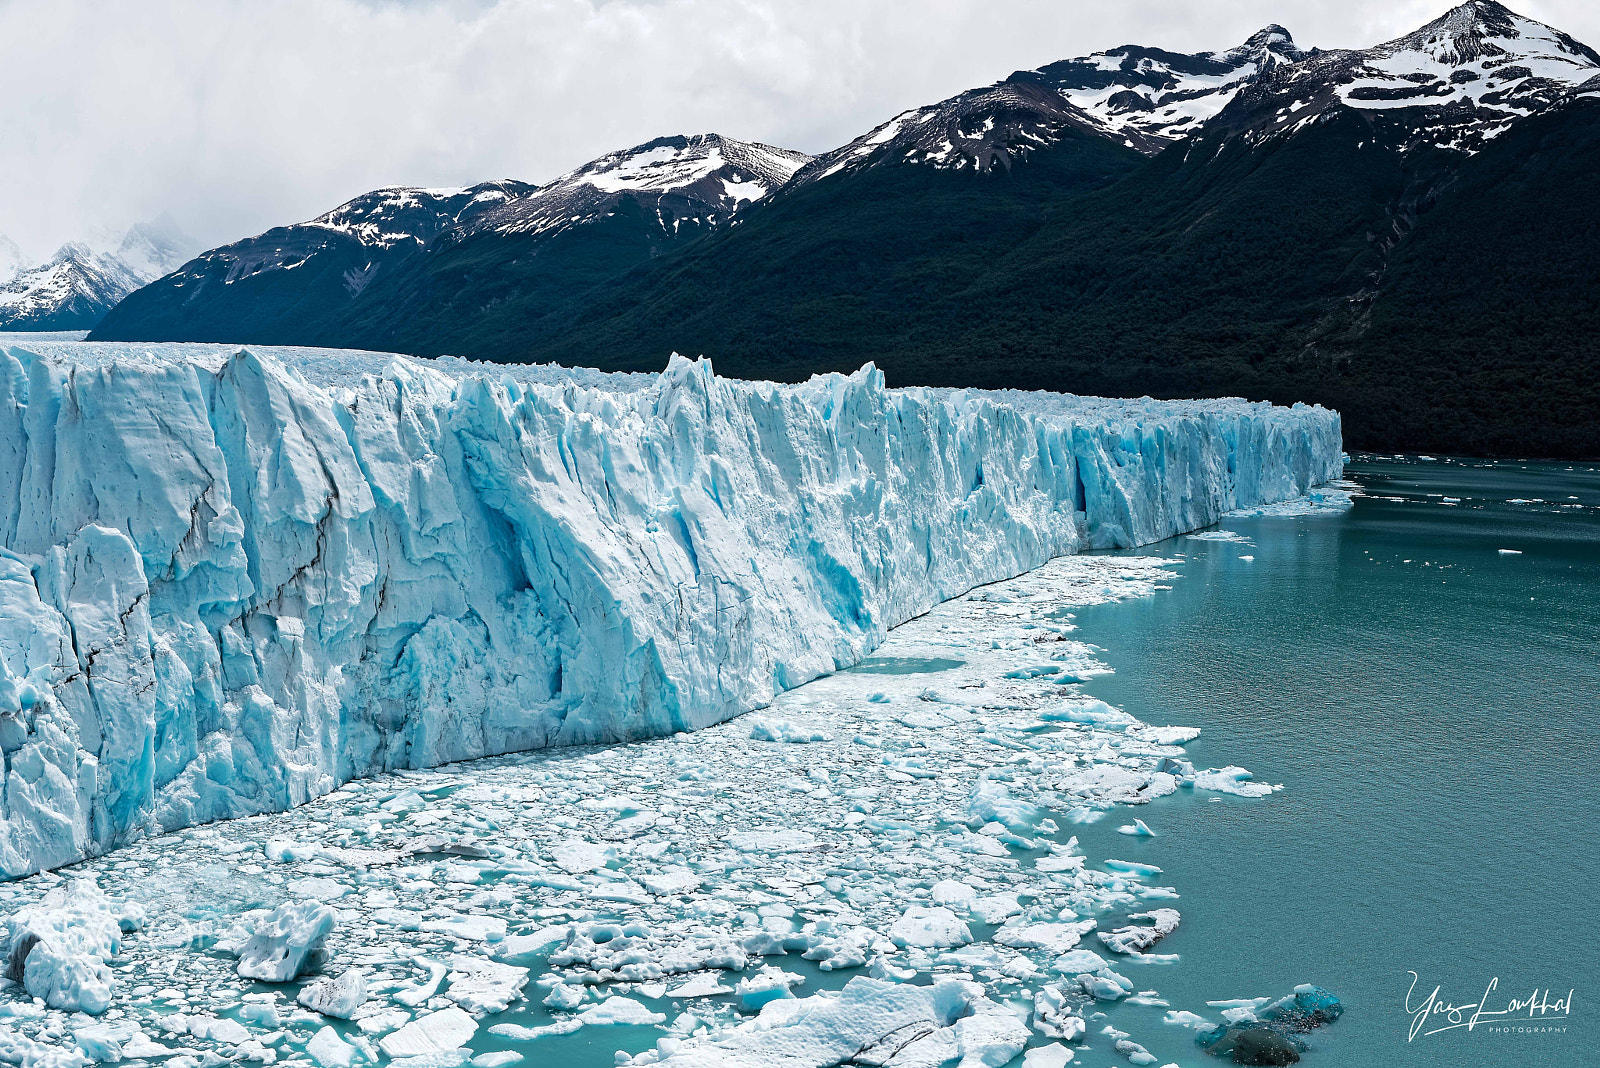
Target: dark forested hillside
x=1439, y=303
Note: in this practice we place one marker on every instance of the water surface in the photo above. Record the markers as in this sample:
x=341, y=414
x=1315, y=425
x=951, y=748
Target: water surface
x=1429, y=704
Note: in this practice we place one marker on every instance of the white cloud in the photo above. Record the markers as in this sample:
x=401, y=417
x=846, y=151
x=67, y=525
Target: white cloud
x=235, y=115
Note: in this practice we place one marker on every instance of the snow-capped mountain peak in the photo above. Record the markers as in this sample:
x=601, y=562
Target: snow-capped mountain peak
x=400, y=214
x=701, y=178
x=981, y=129
x=70, y=292
x=1455, y=83
x=1149, y=97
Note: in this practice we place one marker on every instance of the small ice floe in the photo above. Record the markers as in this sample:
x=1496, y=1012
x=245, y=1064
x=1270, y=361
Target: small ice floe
x=1133, y=1051
x=1247, y=558
x=934, y=927
x=339, y=997
x=1219, y=535
x=281, y=945
x=1137, y=828
x=768, y=984
x=782, y=730
x=869, y=1022
x=1056, y=1016
x=1232, y=780
x=1055, y=1055
x=1259, y=1032
x=1509, y=552
x=433, y=1033
x=1135, y=939
x=1133, y=868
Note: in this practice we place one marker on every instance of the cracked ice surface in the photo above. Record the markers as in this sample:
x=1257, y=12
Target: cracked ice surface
x=714, y=889
x=231, y=581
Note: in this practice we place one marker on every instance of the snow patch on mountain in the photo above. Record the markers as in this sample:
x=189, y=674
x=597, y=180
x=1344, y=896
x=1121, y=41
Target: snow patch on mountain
x=1456, y=83
x=225, y=589
x=1149, y=97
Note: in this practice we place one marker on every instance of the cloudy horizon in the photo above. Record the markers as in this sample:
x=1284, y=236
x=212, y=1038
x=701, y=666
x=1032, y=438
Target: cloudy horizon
x=232, y=117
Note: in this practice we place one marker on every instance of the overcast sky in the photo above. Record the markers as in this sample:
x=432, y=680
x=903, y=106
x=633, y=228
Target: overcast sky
x=236, y=115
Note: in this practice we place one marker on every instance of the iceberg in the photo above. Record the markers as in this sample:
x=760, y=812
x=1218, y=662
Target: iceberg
x=231, y=581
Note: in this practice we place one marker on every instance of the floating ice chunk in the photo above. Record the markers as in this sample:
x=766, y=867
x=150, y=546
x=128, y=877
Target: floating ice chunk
x=1055, y=1055
x=565, y=996
x=1078, y=961
x=1052, y=937
x=1133, y=1051
x=217, y=1029
x=1105, y=986
x=773, y=840
x=415, y=994
x=1231, y=780
x=1133, y=868
x=497, y=1059
x=768, y=984
x=993, y=801
x=995, y=908
x=283, y=944
x=869, y=1021
x=1509, y=552
x=949, y=892
x=1219, y=535
x=524, y=945
x=699, y=986
x=484, y=986
x=619, y=1011
x=668, y=883
x=318, y=889
x=932, y=927
x=578, y=855
x=1055, y=1016
x=1137, y=827
x=471, y=928
x=105, y=1041
x=1185, y=1018
x=59, y=948
x=329, y=1050
x=339, y=997
x=1136, y=939
x=781, y=730
x=437, y=1032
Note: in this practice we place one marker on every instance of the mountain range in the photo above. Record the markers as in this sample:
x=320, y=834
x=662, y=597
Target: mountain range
x=1404, y=232
x=75, y=288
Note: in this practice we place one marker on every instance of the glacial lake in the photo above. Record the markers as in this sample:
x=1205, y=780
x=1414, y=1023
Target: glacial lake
x=1430, y=706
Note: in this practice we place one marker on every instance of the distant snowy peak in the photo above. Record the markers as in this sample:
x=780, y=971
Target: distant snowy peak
x=1455, y=83
x=397, y=215
x=979, y=130
x=73, y=291
x=154, y=248
x=1148, y=97
x=702, y=178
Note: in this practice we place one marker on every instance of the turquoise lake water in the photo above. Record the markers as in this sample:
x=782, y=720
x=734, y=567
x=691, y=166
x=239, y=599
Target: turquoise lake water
x=1430, y=706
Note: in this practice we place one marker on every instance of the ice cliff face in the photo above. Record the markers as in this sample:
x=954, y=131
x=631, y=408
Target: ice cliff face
x=225, y=589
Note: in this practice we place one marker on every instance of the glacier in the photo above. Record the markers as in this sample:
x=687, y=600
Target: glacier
x=233, y=579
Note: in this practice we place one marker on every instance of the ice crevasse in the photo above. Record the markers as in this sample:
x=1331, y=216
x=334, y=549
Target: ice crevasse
x=227, y=586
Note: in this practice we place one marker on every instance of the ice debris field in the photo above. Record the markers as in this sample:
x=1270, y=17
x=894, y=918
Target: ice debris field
x=879, y=868
x=234, y=582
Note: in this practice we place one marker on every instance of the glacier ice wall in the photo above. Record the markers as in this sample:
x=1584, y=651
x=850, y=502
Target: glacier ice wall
x=225, y=589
